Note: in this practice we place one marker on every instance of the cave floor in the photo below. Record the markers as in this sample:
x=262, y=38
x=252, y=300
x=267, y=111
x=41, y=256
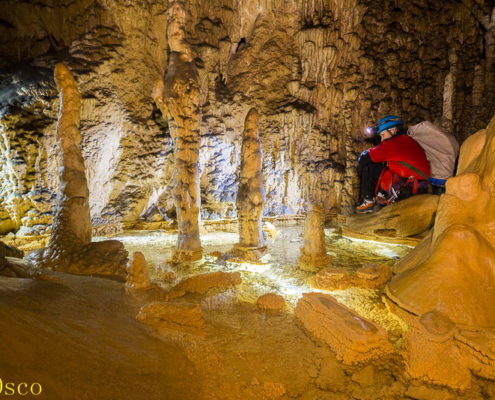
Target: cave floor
x=79, y=338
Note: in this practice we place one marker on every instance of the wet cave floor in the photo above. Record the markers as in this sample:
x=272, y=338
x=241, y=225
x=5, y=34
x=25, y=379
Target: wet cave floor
x=78, y=337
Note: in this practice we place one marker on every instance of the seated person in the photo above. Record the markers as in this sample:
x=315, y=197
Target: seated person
x=397, y=168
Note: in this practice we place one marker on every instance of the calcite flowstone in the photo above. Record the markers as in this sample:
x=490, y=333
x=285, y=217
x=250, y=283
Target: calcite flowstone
x=201, y=284
x=431, y=355
x=178, y=97
x=452, y=270
x=314, y=254
x=369, y=276
x=353, y=338
x=408, y=217
x=182, y=317
x=271, y=302
x=70, y=248
x=251, y=193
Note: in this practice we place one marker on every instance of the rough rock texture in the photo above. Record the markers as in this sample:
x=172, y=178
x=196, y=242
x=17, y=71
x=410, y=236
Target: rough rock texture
x=314, y=254
x=271, y=302
x=251, y=193
x=10, y=251
x=203, y=283
x=431, y=355
x=452, y=270
x=175, y=316
x=317, y=71
x=354, y=338
x=137, y=273
x=408, y=217
x=369, y=276
x=178, y=98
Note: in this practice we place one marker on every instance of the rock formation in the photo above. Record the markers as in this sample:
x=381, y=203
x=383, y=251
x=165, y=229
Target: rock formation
x=201, y=284
x=408, y=217
x=251, y=193
x=314, y=254
x=70, y=248
x=316, y=71
x=369, y=276
x=451, y=272
x=354, y=338
x=137, y=273
x=181, y=317
x=178, y=97
x=271, y=302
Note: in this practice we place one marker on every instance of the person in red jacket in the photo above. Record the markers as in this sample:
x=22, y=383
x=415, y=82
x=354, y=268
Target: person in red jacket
x=395, y=169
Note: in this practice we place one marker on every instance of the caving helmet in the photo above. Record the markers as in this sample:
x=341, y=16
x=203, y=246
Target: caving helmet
x=388, y=122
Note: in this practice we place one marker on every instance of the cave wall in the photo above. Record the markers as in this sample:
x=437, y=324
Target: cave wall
x=318, y=72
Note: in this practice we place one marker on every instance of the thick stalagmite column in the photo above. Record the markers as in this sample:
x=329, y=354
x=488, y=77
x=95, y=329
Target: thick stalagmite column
x=313, y=254
x=251, y=194
x=178, y=97
x=72, y=223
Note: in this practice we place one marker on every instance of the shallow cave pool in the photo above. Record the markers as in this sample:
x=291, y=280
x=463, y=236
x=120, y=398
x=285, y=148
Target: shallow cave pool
x=277, y=272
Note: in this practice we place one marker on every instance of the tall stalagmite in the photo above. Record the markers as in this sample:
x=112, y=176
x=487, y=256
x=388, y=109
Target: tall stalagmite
x=178, y=98
x=251, y=194
x=72, y=222
x=314, y=255
x=70, y=248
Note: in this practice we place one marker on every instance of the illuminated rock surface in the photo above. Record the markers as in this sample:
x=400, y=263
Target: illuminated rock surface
x=317, y=72
x=353, y=338
x=271, y=302
x=251, y=193
x=314, y=255
x=70, y=248
x=452, y=271
x=408, y=217
x=178, y=97
x=369, y=276
x=137, y=273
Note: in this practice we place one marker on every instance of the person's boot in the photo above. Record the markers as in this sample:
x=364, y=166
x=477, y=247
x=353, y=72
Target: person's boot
x=366, y=206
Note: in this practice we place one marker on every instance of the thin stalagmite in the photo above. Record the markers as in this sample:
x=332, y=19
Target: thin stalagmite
x=178, y=97
x=70, y=248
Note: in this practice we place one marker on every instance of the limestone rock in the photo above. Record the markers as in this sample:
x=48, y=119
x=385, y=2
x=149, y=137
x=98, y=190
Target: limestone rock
x=407, y=217
x=182, y=317
x=369, y=276
x=331, y=375
x=201, y=284
x=451, y=272
x=365, y=376
x=16, y=267
x=353, y=338
x=178, y=97
x=137, y=273
x=271, y=302
x=314, y=254
x=427, y=393
x=251, y=193
x=431, y=355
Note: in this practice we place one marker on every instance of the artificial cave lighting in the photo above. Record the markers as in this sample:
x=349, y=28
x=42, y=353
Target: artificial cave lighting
x=185, y=211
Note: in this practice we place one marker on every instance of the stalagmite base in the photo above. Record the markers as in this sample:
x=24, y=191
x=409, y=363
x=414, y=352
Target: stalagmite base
x=313, y=254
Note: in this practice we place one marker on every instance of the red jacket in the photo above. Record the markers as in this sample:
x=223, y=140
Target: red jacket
x=399, y=148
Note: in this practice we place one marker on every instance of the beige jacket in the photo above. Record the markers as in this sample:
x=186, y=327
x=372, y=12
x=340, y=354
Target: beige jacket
x=441, y=148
